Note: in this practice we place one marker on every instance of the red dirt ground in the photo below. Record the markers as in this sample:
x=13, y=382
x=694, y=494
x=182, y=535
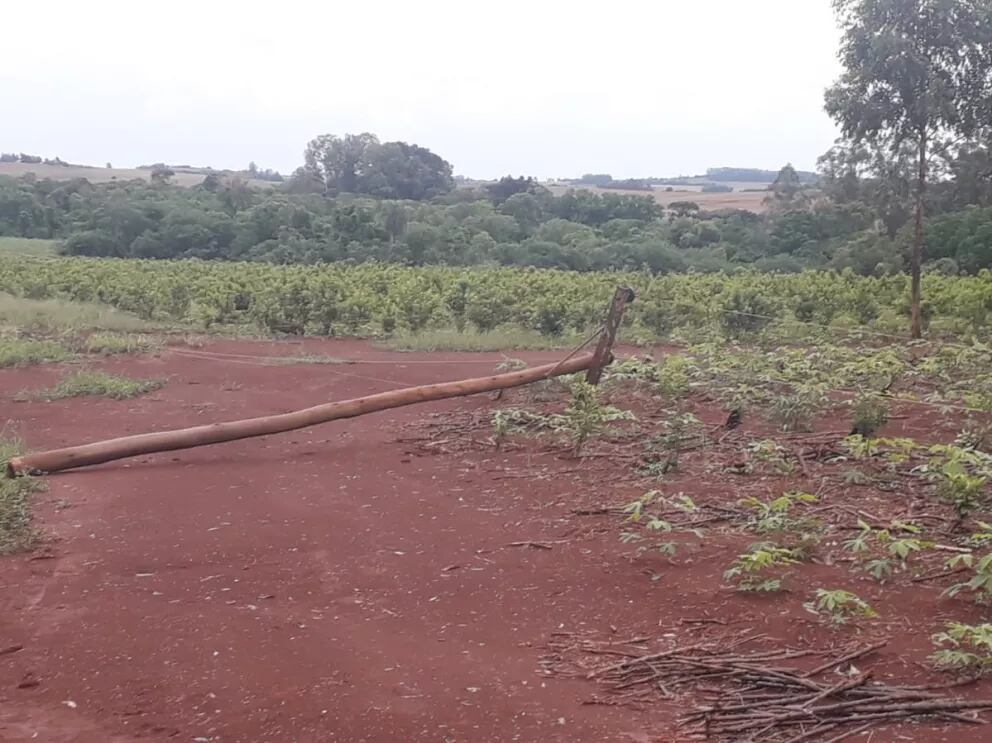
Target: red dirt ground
x=340, y=583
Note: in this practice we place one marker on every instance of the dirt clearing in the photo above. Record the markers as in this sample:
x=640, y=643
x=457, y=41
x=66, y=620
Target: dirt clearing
x=324, y=585
x=393, y=577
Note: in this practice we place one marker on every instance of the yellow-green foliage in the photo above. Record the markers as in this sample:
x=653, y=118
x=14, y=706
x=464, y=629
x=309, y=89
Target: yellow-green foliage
x=108, y=344
x=373, y=298
x=26, y=351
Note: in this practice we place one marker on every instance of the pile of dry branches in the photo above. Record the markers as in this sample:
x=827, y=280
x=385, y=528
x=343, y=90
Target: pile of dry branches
x=754, y=696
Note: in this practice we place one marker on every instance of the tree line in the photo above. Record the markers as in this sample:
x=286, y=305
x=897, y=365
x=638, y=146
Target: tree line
x=23, y=157
x=514, y=221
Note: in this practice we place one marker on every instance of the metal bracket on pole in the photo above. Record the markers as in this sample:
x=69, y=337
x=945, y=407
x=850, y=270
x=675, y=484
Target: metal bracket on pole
x=623, y=296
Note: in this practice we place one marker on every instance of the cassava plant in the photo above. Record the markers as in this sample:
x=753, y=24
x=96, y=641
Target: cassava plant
x=640, y=512
x=978, y=565
x=977, y=432
x=586, y=416
x=964, y=648
x=768, y=452
x=838, y=607
x=965, y=492
x=885, y=551
x=795, y=410
x=870, y=413
x=776, y=514
x=762, y=568
x=680, y=431
x=980, y=582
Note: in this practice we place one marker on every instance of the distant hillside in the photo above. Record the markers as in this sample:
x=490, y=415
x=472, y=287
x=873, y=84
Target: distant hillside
x=744, y=199
x=252, y=173
x=754, y=175
x=738, y=179
x=93, y=174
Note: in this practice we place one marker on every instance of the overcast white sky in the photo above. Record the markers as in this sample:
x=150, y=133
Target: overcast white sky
x=539, y=87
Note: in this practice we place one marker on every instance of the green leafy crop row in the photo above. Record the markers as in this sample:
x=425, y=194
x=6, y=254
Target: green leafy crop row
x=375, y=298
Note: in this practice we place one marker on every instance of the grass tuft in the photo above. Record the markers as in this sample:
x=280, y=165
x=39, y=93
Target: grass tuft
x=94, y=384
x=25, y=351
x=187, y=340
x=108, y=344
x=310, y=359
x=504, y=339
x=16, y=533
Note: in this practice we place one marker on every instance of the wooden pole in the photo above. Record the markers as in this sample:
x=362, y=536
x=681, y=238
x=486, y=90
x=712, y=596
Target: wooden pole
x=215, y=433
x=623, y=296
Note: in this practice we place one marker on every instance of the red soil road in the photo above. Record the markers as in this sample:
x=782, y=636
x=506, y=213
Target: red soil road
x=299, y=587
x=338, y=584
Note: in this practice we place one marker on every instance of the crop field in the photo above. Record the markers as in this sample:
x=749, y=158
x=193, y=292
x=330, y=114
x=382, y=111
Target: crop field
x=381, y=300
x=752, y=201
x=770, y=521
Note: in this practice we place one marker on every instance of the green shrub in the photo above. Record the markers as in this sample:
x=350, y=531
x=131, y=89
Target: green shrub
x=23, y=352
x=108, y=344
x=15, y=514
x=95, y=384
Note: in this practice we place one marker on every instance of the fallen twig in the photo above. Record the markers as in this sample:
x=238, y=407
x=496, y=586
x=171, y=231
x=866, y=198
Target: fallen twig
x=846, y=658
x=940, y=574
x=601, y=511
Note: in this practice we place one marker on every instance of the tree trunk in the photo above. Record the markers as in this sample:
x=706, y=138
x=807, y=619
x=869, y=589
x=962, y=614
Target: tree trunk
x=215, y=433
x=916, y=323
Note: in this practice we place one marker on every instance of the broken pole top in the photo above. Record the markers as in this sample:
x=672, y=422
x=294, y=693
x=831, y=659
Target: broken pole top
x=623, y=296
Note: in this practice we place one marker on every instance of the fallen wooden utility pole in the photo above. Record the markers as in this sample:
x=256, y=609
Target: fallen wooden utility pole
x=215, y=433
x=623, y=296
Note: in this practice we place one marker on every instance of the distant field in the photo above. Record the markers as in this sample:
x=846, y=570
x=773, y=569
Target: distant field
x=102, y=175
x=698, y=187
x=26, y=246
x=752, y=201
